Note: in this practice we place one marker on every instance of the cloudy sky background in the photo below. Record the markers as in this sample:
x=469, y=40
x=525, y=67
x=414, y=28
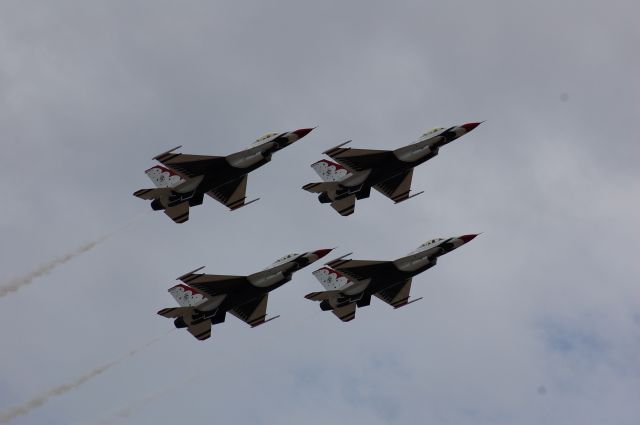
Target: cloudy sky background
x=536, y=321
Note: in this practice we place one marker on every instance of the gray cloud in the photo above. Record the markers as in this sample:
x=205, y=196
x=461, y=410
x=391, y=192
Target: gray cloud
x=89, y=93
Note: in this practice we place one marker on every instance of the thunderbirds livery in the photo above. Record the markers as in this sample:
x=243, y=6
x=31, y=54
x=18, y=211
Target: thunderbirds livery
x=205, y=299
x=356, y=171
x=351, y=283
x=184, y=179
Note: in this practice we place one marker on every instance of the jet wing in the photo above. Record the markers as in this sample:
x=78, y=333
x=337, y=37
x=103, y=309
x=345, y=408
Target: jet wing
x=213, y=284
x=231, y=194
x=254, y=312
x=190, y=165
x=396, y=188
x=397, y=295
x=360, y=159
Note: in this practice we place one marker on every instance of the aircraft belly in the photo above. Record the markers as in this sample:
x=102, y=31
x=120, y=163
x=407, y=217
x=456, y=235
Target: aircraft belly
x=357, y=179
x=246, y=160
x=188, y=186
x=235, y=300
x=382, y=284
x=356, y=288
x=417, y=155
x=413, y=263
x=263, y=280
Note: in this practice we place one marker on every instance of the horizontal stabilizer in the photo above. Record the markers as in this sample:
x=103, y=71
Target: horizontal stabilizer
x=345, y=206
x=178, y=213
x=346, y=313
x=201, y=331
x=322, y=295
x=320, y=187
x=151, y=194
x=175, y=312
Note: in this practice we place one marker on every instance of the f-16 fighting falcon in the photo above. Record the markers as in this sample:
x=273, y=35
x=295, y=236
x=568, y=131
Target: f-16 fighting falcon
x=205, y=299
x=185, y=179
x=350, y=283
x=356, y=171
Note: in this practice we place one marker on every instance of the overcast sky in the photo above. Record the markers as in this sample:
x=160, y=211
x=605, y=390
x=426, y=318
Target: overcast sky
x=535, y=321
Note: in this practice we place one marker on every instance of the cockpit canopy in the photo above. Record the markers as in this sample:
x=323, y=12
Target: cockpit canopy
x=283, y=260
x=433, y=131
x=265, y=138
x=427, y=245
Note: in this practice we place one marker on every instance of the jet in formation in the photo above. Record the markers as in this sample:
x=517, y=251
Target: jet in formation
x=205, y=299
x=356, y=171
x=351, y=283
x=184, y=179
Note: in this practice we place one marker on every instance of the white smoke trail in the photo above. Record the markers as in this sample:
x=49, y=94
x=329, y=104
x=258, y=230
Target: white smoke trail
x=14, y=284
x=136, y=405
x=133, y=407
x=38, y=401
x=17, y=283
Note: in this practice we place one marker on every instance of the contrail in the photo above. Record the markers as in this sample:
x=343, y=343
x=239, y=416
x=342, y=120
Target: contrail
x=38, y=401
x=135, y=406
x=14, y=284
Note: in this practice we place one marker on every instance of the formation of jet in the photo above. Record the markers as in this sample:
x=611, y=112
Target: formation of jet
x=205, y=299
x=356, y=171
x=184, y=179
x=351, y=283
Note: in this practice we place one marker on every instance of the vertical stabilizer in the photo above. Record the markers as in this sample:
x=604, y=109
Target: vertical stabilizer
x=164, y=177
x=187, y=296
x=331, y=279
x=330, y=171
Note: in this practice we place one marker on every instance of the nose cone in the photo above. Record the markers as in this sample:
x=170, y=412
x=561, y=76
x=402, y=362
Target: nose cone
x=470, y=126
x=467, y=238
x=302, y=132
x=322, y=252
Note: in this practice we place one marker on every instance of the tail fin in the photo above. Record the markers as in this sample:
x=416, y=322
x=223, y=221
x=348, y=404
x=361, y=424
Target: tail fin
x=164, y=177
x=330, y=171
x=331, y=279
x=186, y=296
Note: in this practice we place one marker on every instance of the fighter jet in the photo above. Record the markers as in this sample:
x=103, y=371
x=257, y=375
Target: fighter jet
x=350, y=283
x=185, y=179
x=205, y=299
x=356, y=171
